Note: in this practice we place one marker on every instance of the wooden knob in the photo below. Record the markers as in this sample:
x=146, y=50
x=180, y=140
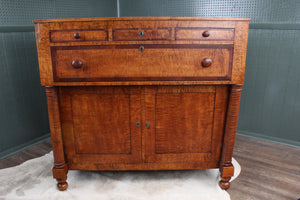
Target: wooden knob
x=77, y=35
x=77, y=64
x=205, y=34
x=206, y=62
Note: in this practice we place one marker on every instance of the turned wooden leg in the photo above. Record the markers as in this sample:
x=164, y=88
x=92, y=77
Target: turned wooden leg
x=226, y=167
x=60, y=168
x=60, y=174
x=226, y=172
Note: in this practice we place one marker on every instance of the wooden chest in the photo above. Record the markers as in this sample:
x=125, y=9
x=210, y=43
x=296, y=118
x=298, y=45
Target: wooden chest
x=145, y=93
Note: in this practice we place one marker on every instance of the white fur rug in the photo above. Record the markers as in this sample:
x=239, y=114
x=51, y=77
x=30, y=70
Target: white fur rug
x=33, y=180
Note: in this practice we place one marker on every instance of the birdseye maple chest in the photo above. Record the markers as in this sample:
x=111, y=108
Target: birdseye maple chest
x=142, y=93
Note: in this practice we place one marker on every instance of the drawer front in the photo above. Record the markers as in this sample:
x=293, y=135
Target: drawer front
x=141, y=34
x=78, y=35
x=142, y=63
x=203, y=34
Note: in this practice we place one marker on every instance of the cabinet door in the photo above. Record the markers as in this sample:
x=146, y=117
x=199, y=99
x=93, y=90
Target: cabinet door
x=186, y=123
x=99, y=125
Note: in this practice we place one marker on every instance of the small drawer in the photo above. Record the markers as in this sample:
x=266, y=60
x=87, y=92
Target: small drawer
x=78, y=35
x=203, y=34
x=141, y=34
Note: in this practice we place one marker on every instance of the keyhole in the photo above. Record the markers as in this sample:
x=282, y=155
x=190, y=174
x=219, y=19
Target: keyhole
x=141, y=33
x=142, y=48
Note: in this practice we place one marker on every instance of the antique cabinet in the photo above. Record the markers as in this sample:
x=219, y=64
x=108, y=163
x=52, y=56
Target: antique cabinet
x=144, y=93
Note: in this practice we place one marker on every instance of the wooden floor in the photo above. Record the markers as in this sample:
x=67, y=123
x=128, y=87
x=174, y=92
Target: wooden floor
x=270, y=171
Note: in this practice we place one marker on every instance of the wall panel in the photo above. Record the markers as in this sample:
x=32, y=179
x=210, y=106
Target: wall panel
x=23, y=110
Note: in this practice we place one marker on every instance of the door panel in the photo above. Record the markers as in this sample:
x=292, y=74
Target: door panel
x=186, y=123
x=188, y=112
x=111, y=128
x=100, y=123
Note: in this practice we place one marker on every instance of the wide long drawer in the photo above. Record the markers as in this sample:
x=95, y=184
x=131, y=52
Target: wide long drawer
x=147, y=62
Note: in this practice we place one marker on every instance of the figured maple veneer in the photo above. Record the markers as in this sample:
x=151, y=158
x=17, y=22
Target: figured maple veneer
x=99, y=124
x=141, y=34
x=78, y=35
x=127, y=62
x=204, y=34
x=187, y=123
x=144, y=93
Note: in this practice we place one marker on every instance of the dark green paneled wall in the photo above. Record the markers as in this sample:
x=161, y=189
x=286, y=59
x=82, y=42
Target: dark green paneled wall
x=23, y=110
x=22, y=12
x=260, y=11
x=22, y=102
x=270, y=105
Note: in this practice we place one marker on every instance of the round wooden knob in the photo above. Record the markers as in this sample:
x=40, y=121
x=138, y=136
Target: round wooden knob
x=77, y=35
x=77, y=64
x=206, y=62
x=205, y=34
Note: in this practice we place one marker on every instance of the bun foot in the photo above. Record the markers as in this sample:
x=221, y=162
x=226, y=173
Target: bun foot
x=62, y=185
x=227, y=172
x=60, y=174
x=224, y=183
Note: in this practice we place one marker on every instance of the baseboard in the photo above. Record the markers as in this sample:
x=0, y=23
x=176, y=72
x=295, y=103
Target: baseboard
x=268, y=138
x=21, y=147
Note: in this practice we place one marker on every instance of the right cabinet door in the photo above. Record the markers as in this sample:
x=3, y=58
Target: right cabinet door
x=184, y=124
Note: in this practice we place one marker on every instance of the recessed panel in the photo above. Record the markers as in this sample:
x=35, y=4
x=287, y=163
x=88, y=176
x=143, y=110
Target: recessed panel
x=143, y=62
x=101, y=123
x=184, y=122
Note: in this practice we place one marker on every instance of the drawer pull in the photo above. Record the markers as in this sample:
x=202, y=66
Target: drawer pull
x=141, y=33
x=77, y=64
x=205, y=34
x=77, y=35
x=141, y=48
x=206, y=62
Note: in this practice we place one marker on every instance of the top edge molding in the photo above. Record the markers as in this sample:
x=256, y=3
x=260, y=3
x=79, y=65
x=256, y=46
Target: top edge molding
x=141, y=19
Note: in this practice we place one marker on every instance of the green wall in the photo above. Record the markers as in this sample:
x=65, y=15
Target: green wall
x=270, y=105
x=23, y=108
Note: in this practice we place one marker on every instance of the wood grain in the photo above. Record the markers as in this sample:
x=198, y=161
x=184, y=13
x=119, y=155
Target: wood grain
x=194, y=130
x=84, y=35
x=177, y=104
x=226, y=167
x=147, y=34
x=100, y=122
x=240, y=27
x=60, y=168
x=142, y=18
x=126, y=62
x=198, y=34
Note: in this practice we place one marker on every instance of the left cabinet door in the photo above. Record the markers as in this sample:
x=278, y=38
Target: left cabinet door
x=99, y=126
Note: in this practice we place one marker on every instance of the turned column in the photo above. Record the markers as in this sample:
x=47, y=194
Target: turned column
x=60, y=168
x=226, y=167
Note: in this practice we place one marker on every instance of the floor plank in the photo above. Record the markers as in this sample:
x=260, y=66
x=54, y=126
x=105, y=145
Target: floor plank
x=269, y=170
